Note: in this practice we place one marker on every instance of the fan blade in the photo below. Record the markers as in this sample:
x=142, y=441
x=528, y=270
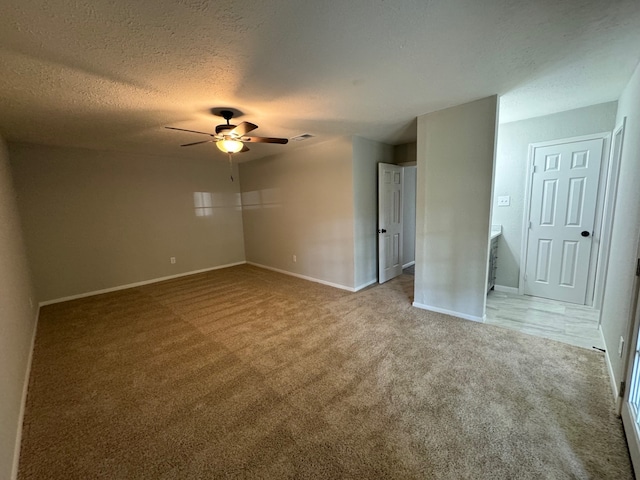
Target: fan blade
x=243, y=129
x=265, y=140
x=196, y=143
x=192, y=131
x=244, y=149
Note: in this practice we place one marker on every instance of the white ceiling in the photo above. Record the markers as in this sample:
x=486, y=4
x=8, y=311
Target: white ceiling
x=109, y=74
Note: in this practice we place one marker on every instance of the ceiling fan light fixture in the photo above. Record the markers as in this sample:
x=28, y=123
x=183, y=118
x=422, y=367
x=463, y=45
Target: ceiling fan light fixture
x=230, y=146
x=229, y=138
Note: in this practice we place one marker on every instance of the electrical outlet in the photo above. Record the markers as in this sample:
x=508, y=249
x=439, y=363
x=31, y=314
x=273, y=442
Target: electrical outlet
x=504, y=201
x=620, y=347
x=172, y=260
x=295, y=259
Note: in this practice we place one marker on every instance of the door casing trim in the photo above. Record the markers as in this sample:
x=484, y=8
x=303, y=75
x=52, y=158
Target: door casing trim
x=602, y=183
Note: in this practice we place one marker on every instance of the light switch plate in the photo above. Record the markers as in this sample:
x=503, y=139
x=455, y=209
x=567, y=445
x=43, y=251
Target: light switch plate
x=504, y=201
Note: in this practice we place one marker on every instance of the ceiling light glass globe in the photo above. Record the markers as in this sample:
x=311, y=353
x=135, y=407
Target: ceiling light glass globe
x=229, y=146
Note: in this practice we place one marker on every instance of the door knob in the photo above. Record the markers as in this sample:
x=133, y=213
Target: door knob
x=382, y=230
x=585, y=233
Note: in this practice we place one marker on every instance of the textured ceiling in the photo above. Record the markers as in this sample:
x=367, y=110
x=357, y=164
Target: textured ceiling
x=109, y=74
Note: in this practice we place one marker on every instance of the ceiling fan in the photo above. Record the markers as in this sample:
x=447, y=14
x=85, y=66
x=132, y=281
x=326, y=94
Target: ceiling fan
x=232, y=138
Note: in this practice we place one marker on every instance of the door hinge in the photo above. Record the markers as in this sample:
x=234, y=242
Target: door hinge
x=638, y=268
x=530, y=225
x=535, y=169
x=623, y=386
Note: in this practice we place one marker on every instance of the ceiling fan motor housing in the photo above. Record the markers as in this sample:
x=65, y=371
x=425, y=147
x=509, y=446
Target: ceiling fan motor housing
x=224, y=128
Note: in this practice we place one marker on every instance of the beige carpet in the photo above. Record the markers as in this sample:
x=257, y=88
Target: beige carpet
x=245, y=373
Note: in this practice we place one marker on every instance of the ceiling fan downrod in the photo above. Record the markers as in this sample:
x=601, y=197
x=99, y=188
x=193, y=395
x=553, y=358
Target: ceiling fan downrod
x=227, y=115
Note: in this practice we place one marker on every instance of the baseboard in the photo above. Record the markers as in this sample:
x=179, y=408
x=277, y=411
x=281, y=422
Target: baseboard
x=449, y=312
x=408, y=264
x=23, y=405
x=137, y=284
x=503, y=289
x=304, y=277
x=612, y=379
x=365, y=285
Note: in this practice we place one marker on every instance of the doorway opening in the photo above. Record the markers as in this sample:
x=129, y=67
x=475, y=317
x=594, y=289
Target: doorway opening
x=404, y=168
x=553, y=181
x=561, y=231
x=406, y=163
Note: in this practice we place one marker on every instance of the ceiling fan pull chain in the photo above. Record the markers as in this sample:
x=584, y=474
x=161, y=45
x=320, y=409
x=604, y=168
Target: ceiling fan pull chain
x=230, y=167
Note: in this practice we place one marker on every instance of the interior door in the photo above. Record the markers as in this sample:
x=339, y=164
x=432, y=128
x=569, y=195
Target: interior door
x=389, y=221
x=564, y=191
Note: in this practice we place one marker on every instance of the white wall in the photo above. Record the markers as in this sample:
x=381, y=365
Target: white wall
x=17, y=321
x=95, y=220
x=455, y=168
x=366, y=156
x=301, y=203
x=511, y=167
x=409, y=215
x=620, y=281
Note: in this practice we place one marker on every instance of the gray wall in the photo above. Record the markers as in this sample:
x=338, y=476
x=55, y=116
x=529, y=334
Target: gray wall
x=409, y=215
x=455, y=170
x=301, y=203
x=620, y=285
x=511, y=167
x=17, y=320
x=96, y=220
x=366, y=156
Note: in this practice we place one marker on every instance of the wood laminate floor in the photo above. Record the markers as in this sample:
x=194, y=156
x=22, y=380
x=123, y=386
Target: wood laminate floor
x=564, y=322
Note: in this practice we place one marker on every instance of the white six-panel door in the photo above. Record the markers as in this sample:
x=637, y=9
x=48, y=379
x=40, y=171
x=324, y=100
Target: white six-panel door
x=389, y=221
x=564, y=191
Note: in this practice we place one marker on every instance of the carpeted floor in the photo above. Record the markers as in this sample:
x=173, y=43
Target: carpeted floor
x=246, y=373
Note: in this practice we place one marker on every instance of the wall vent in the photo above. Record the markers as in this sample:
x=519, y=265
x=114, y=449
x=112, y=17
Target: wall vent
x=304, y=136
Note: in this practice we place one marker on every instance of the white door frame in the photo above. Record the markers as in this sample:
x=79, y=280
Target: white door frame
x=606, y=137
x=628, y=418
x=608, y=213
